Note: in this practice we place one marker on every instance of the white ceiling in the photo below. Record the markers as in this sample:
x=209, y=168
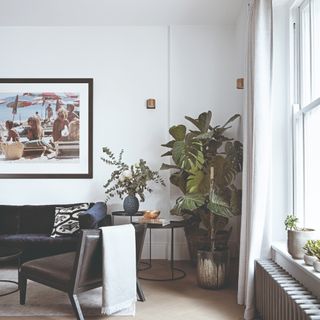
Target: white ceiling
x=117, y=12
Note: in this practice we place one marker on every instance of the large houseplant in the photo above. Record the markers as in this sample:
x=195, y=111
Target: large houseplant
x=206, y=164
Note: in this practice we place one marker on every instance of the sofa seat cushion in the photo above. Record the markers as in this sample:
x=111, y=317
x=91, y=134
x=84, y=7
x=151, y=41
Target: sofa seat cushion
x=41, y=269
x=38, y=245
x=35, y=238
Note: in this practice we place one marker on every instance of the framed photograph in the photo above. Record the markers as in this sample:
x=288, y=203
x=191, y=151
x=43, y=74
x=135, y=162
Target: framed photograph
x=46, y=128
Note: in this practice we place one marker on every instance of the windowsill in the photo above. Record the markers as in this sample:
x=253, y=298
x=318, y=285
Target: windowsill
x=296, y=267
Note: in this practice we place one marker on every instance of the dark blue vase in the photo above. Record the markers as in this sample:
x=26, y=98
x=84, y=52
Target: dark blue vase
x=131, y=205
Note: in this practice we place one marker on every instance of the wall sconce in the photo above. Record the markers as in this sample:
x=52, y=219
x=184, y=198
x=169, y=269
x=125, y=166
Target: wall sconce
x=240, y=83
x=151, y=103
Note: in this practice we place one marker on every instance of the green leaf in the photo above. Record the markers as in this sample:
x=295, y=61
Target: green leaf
x=195, y=122
x=236, y=201
x=179, y=180
x=175, y=211
x=178, y=132
x=205, y=136
x=168, y=153
x=234, y=117
x=218, y=206
x=203, y=121
x=225, y=173
x=165, y=166
x=196, y=182
x=189, y=155
x=234, y=151
x=190, y=201
x=169, y=144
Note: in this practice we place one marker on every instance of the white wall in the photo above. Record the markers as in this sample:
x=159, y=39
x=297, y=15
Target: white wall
x=204, y=62
x=129, y=65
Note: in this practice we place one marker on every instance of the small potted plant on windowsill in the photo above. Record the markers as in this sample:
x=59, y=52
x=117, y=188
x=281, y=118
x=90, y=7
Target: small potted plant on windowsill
x=316, y=251
x=297, y=237
x=310, y=248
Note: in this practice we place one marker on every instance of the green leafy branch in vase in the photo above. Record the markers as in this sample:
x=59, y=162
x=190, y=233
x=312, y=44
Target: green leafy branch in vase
x=128, y=180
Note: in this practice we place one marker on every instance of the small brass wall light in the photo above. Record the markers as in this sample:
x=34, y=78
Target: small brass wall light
x=151, y=103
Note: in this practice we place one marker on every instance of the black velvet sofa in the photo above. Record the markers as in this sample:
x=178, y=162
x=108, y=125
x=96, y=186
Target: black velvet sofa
x=29, y=228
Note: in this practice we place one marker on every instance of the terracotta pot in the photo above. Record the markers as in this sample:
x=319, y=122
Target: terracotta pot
x=297, y=239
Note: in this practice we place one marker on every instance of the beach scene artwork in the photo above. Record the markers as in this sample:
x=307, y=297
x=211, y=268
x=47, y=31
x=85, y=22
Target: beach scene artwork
x=40, y=126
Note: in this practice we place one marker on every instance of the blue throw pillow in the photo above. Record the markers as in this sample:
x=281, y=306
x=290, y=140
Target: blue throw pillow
x=92, y=218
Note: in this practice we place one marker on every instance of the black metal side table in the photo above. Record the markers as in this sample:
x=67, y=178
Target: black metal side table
x=176, y=273
x=8, y=254
x=125, y=214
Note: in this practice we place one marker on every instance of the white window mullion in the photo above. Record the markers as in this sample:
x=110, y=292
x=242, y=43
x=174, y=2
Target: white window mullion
x=298, y=162
x=315, y=48
x=305, y=56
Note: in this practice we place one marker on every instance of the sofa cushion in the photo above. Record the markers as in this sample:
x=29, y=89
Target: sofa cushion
x=38, y=245
x=94, y=217
x=66, y=221
x=36, y=219
x=9, y=219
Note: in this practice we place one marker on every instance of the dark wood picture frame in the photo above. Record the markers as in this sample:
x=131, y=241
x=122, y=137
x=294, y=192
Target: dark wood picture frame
x=86, y=85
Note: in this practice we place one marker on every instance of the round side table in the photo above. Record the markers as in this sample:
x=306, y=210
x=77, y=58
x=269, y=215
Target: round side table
x=8, y=254
x=176, y=273
x=125, y=214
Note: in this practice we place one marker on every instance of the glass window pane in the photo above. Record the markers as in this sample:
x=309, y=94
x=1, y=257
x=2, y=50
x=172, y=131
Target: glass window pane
x=305, y=54
x=315, y=13
x=312, y=167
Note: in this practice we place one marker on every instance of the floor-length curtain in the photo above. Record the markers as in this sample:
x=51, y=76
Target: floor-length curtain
x=255, y=242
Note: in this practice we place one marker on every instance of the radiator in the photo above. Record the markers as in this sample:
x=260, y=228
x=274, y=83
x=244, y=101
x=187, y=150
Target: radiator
x=280, y=297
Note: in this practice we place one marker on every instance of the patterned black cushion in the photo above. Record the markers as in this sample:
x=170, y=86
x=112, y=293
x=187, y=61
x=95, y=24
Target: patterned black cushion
x=66, y=221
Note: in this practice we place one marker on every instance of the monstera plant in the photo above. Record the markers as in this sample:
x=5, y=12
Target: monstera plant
x=205, y=164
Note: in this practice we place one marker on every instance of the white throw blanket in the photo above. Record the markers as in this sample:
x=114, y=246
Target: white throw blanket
x=119, y=270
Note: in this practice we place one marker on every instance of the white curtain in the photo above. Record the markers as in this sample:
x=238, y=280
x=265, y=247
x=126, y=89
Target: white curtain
x=255, y=241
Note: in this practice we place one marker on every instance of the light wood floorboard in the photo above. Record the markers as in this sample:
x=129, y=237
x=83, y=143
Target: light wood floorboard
x=178, y=300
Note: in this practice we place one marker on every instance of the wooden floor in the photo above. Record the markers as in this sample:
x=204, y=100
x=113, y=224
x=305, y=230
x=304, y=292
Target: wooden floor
x=181, y=299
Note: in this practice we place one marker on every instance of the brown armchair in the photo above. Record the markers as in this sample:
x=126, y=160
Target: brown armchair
x=80, y=271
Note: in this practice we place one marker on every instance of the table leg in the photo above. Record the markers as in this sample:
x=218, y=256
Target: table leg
x=180, y=273
x=150, y=252
x=172, y=253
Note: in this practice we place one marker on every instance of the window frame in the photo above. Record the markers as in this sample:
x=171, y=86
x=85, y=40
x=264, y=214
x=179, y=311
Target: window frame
x=298, y=110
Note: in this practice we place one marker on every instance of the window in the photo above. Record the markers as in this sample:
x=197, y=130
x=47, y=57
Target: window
x=306, y=121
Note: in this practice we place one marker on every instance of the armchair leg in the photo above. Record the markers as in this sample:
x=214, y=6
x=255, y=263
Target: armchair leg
x=76, y=306
x=22, y=287
x=140, y=292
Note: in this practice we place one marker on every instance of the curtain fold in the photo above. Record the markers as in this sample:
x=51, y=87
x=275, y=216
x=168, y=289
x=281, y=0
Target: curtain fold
x=254, y=239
